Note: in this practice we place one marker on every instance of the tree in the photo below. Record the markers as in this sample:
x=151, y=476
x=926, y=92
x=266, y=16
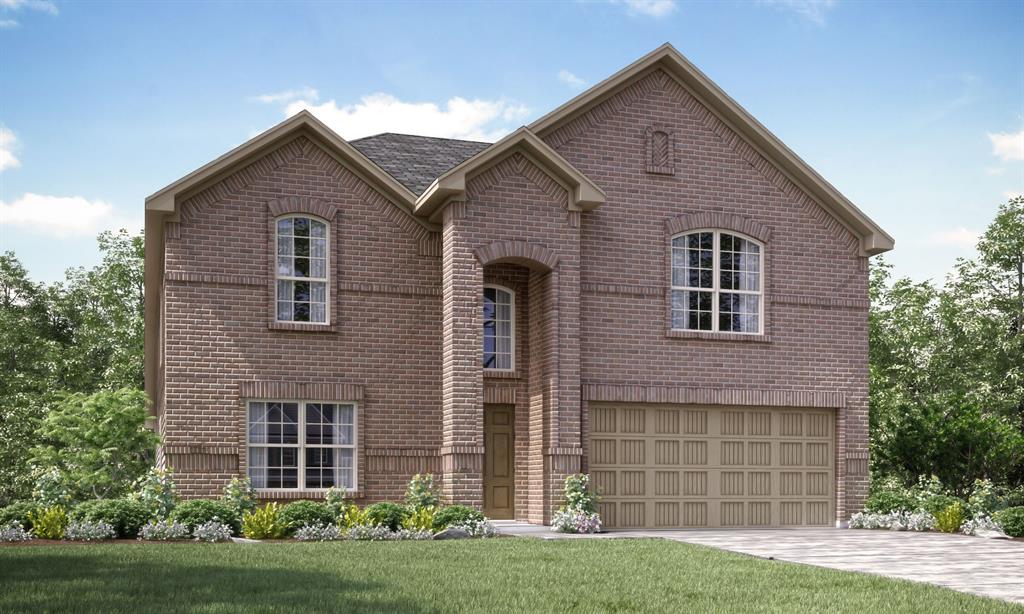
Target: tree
x=97, y=443
x=946, y=366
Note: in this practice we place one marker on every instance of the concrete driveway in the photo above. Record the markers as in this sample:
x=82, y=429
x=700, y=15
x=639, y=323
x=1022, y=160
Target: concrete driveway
x=987, y=567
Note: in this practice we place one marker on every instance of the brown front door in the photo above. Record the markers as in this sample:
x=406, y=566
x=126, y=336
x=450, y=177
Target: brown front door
x=499, y=466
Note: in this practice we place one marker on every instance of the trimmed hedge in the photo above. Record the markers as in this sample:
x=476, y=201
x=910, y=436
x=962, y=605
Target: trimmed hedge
x=300, y=514
x=125, y=515
x=454, y=515
x=388, y=515
x=197, y=511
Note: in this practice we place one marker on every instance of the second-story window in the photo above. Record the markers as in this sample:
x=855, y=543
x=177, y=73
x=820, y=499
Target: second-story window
x=499, y=328
x=717, y=282
x=302, y=270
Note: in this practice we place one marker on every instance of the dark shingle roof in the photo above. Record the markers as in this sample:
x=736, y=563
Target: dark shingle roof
x=416, y=161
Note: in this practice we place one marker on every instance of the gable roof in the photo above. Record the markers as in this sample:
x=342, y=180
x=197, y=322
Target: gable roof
x=415, y=161
x=874, y=240
x=584, y=194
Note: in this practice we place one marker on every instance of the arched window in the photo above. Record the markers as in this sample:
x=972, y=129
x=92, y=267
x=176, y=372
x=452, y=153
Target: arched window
x=499, y=328
x=302, y=270
x=717, y=282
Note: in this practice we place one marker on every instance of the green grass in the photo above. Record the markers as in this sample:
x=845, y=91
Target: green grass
x=500, y=575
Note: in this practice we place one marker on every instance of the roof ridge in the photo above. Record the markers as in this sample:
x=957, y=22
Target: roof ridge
x=420, y=136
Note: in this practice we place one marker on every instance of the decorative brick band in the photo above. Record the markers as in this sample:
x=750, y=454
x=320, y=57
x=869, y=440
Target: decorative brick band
x=203, y=448
x=709, y=336
x=302, y=327
x=517, y=252
x=213, y=463
x=302, y=204
x=401, y=452
x=652, y=291
x=214, y=280
x=631, y=393
x=299, y=390
x=406, y=289
x=623, y=289
x=725, y=221
x=456, y=450
x=564, y=451
x=496, y=393
x=290, y=495
x=818, y=301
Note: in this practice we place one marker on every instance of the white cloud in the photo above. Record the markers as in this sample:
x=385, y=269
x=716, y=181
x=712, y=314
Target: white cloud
x=7, y=24
x=648, y=8
x=57, y=216
x=958, y=237
x=1008, y=145
x=8, y=141
x=44, y=6
x=305, y=93
x=482, y=120
x=811, y=10
x=995, y=171
x=570, y=79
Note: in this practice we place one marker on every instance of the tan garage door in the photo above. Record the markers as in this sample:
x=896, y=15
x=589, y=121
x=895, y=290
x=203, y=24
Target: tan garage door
x=659, y=466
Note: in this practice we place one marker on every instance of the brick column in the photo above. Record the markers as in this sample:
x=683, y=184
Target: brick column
x=462, y=448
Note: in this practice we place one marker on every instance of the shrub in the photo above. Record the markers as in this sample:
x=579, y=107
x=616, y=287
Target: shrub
x=212, y=531
x=337, y=500
x=1011, y=520
x=578, y=495
x=382, y=533
x=125, y=515
x=919, y=520
x=319, y=533
x=164, y=530
x=300, y=514
x=419, y=520
x=264, y=523
x=49, y=523
x=950, y=519
x=240, y=495
x=885, y=501
x=89, y=531
x=1012, y=498
x=18, y=512
x=52, y=488
x=421, y=492
x=352, y=516
x=14, y=532
x=983, y=500
x=388, y=515
x=455, y=515
x=575, y=521
x=156, y=491
x=936, y=504
x=199, y=511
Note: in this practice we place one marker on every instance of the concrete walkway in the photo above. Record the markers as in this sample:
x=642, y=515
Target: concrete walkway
x=987, y=567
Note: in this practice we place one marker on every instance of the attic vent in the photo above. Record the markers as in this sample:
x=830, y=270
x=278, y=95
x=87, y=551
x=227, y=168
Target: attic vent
x=660, y=151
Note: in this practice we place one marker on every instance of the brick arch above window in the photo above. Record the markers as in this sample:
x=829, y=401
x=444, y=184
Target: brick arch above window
x=530, y=255
x=721, y=221
x=302, y=204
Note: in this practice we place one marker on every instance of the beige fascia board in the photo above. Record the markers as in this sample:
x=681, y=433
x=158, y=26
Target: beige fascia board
x=304, y=123
x=153, y=259
x=874, y=239
x=585, y=195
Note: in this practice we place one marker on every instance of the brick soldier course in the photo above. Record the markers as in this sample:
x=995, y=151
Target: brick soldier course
x=575, y=215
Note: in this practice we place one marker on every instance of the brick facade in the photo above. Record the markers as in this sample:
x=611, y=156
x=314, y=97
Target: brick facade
x=592, y=304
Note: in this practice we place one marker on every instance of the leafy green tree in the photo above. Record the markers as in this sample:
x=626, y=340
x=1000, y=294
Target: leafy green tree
x=99, y=443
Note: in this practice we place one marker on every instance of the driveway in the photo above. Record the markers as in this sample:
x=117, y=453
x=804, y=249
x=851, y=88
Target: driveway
x=987, y=567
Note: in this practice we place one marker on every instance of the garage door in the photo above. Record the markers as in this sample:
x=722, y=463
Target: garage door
x=659, y=466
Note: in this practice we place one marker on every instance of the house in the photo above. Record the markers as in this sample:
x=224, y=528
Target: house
x=644, y=284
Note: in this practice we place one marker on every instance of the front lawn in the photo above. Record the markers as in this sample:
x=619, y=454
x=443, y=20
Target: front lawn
x=496, y=575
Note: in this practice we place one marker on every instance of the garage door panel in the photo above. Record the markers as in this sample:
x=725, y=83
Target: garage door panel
x=668, y=466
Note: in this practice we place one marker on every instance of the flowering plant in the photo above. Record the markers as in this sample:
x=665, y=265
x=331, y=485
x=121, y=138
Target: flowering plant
x=318, y=533
x=156, y=491
x=980, y=524
x=576, y=521
x=14, y=532
x=896, y=521
x=381, y=533
x=212, y=531
x=477, y=528
x=164, y=530
x=88, y=531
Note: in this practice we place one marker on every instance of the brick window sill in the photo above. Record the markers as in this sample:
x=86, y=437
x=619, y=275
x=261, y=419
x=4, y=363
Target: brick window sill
x=694, y=334
x=282, y=495
x=501, y=374
x=302, y=327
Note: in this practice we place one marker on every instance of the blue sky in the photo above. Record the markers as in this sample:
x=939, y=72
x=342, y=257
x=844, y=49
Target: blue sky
x=915, y=111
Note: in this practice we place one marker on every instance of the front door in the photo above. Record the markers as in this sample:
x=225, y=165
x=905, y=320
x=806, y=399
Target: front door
x=499, y=466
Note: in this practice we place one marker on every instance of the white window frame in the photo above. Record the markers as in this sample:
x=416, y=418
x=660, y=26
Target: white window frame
x=716, y=285
x=302, y=443
x=512, y=329
x=326, y=279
